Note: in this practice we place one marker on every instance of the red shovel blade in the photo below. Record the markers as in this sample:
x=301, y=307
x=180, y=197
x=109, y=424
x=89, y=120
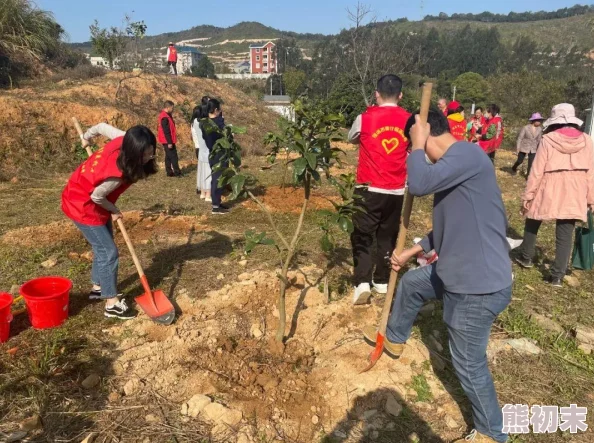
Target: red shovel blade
x=376, y=353
x=157, y=306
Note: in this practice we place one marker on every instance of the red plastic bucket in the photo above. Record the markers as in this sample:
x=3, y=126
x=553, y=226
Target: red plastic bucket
x=47, y=301
x=5, y=316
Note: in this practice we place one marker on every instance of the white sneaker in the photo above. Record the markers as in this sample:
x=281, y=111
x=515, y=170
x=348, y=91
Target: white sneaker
x=362, y=294
x=208, y=200
x=514, y=244
x=381, y=288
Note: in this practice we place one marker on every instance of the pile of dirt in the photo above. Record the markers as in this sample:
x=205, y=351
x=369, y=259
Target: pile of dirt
x=222, y=346
x=37, y=128
x=289, y=200
x=141, y=227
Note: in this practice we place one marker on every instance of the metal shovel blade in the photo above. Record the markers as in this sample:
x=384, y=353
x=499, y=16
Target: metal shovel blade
x=157, y=306
x=376, y=353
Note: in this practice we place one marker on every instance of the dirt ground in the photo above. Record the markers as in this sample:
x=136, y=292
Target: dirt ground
x=222, y=343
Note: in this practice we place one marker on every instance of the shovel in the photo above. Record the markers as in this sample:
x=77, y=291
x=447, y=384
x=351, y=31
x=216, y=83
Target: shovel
x=400, y=244
x=155, y=304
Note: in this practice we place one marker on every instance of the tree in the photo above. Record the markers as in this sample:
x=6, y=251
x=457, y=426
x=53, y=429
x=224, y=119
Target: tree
x=204, y=68
x=108, y=43
x=306, y=146
x=27, y=35
x=471, y=88
x=293, y=81
x=136, y=30
x=288, y=55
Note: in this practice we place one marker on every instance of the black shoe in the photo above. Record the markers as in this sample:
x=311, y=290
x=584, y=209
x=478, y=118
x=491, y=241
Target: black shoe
x=526, y=264
x=120, y=310
x=556, y=283
x=169, y=174
x=220, y=210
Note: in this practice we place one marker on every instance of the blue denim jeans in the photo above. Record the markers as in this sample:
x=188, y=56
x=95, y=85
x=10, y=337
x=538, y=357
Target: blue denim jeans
x=105, y=257
x=468, y=318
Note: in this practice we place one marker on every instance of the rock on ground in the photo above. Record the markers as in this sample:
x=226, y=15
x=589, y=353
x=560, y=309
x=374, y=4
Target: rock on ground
x=524, y=346
x=451, y=423
x=16, y=436
x=132, y=386
x=584, y=334
x=572, y=281
x=91, y=381
x=586, y=349
x=218, y=413
x=31, y=423
x=195, y=405
x=392, y=406
x=547, y=323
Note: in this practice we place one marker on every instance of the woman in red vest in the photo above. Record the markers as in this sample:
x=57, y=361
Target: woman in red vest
x=172, y=58
x=476, y=125
x=89, y=201
x=492, y=133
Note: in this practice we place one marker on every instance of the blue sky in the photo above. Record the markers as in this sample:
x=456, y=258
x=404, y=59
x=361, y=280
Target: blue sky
x=327, y=17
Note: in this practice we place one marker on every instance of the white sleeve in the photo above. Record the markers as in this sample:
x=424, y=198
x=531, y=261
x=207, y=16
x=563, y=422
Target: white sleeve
x=105, y=130
x=355, y=131
x=196, y=125
x=168, y=52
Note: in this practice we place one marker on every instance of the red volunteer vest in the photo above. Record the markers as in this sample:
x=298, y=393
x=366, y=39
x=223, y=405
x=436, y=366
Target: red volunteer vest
x=472, y=133
x=76, y=197
x=383, y=152
x=457, y=128
x=172, y=54
x=161, y=134
x=495, y=143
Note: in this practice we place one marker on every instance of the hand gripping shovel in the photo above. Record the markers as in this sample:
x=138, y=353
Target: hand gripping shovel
x=155, y=304
x=400, y=244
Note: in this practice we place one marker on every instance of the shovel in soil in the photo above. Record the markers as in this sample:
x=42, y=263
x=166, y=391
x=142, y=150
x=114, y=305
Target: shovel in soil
x=400, y=243
x=155, y=304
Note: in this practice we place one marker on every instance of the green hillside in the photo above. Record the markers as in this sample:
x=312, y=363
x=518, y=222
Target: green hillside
x=233, y=42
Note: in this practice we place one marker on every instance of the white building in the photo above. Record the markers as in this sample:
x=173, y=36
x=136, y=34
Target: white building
x=103, y=63
x=187, y=56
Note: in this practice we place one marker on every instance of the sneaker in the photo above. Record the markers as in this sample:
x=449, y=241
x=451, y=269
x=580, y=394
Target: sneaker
x=208, y=199
x=476, y=437
x=394, y=350
x=119, y=310
x=362, y=294
x=526, y=264
x=380, y=288
x=220, y=210
x=514, y=244
x=96, y=294
x=556, y=283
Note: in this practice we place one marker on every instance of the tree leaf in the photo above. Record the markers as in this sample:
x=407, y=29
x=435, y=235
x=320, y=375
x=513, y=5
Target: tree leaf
x=299, y=166
x=326, y=244
x=312, y=160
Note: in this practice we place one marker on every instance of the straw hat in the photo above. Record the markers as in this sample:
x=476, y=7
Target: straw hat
x=536, y=116
x=563, y=114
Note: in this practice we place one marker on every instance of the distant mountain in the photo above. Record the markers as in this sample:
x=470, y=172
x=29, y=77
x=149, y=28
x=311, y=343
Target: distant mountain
x=232, y=43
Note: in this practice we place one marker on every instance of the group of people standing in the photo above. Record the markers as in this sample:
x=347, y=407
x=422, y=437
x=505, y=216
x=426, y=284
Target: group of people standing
x=485, y=127
x=473, y=275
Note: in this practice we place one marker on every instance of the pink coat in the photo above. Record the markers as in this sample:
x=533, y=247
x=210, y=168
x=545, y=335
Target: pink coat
x=561, y=181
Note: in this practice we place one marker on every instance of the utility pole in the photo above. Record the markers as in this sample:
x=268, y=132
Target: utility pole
x=454, y=95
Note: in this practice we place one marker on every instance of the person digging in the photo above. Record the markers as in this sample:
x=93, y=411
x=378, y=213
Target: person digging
x=473, y=275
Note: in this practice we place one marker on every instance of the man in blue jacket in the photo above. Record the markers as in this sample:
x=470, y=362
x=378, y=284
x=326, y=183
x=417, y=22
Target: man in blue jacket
x=473, y=275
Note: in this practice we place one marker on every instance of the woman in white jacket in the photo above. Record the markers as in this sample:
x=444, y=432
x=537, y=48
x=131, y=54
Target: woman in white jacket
x=203, y=176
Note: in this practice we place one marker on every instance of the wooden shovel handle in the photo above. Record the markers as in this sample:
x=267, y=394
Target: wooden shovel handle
x=134, y=257
x=404, y=223
x=80, y=134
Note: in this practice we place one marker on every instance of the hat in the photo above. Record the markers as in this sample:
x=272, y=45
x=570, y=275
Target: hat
x=171, y=44
x=563, y=114
x=453, y=105
x=536, y=116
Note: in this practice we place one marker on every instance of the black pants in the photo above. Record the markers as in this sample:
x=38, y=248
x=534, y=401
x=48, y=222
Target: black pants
x=171, y=161
x=174, y=64
x=216, y=192
x=521, y=157
x=380, y=222
x=492, y=156
x=563, y=244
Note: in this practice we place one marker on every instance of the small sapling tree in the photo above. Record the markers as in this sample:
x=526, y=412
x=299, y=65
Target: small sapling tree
x=307, y=143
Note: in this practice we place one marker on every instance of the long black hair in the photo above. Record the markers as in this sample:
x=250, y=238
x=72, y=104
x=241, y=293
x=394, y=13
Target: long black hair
x=199, y=113
x=213, y=105
x=137, y=140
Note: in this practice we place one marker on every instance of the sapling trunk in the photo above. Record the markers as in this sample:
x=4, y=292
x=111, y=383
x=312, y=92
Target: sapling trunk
x=280, y=333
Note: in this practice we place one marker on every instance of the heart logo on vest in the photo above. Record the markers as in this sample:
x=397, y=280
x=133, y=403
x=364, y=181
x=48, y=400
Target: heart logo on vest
x=390, y=145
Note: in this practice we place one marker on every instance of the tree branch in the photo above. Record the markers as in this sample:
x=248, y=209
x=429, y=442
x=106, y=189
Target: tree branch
x=270, y=219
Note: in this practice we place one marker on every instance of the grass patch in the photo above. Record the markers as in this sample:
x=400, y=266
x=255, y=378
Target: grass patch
x=421, y=387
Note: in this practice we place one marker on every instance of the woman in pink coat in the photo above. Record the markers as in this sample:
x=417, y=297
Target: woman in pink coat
x=560, y=187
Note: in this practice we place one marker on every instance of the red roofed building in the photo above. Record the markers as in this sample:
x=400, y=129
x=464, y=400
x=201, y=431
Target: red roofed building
x=263, y=58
